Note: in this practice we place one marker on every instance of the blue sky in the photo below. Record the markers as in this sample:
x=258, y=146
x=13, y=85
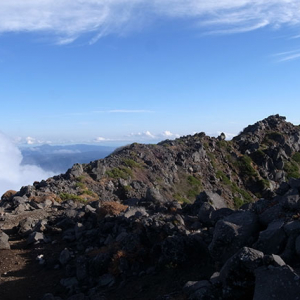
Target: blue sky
x=118, y=71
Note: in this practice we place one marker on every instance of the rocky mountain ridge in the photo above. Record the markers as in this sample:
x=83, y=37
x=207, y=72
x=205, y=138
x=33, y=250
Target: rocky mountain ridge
x=253, y=165
x=161, y=221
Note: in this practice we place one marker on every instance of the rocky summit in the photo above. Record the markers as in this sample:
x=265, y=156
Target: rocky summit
x=193, y=218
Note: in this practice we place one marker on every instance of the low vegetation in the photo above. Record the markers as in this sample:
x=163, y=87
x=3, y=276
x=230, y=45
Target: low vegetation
x=292, y=169
x=66, y=196
x=121, y=172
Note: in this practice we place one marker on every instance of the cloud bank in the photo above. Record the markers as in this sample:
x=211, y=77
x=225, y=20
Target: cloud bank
x=12, y=175
x=69, y=19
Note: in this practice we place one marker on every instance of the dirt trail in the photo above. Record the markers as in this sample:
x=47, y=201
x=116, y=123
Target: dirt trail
x=21, y=275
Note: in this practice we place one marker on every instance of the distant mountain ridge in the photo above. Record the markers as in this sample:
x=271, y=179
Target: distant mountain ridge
x=59, y=158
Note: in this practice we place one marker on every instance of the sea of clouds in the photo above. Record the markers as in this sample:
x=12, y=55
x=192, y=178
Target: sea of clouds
x=13, y=175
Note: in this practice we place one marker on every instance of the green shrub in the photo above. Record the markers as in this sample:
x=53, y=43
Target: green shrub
x=222, y=176
x=296, y=157
x=127, y=188
x=88, y=192
x=235, y=189
x=179, y=198
x=80, y=185
x=292, y=170
x=193, y=181
x=80, y=178
x=121, y=172
x=66, y=196
x=193, y=193
x=245, y=165
x=212, y=159
x=222, y=144
x=196, y=185
x=238, y=202
x=131, y=163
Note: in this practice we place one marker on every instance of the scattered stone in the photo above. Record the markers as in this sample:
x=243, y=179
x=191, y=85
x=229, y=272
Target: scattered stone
x=4, y=244
x=106, y=280
x=35, y=237
x=64, y=256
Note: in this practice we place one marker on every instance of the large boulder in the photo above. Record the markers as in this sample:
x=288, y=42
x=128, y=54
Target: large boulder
x=237, y=275
x=214, y=199
x=272, y=240
x=233, y=232
x=280, y=283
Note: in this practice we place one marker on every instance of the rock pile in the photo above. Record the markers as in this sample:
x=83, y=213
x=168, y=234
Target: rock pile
x=251, y=253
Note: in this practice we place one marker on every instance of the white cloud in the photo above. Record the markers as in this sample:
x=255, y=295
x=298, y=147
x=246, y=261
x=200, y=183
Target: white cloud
x=288, y=55
x=30, y=141
x=169, y=134
x=12, y=174
x=143, y=135
x=69, y=19
x=101, y=139
x=147, y=135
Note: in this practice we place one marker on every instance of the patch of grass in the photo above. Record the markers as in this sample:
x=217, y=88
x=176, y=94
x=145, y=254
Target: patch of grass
x=131, y=163
x=80, y=185
x=206, y=146
x=179, y=198
x=221, y=144
x=196, y=185
x=193, y=193
x=263, y=183
x=222, y=176
x=112, y=208
x=212, y=159
x=88, y=192
x=193, y=181
x=121, y=172
x=245, y=166
x=292, y=169
x=127, y=188
x=238, y=202
x=296, y=157
x=80, y=178
x=235, y=189
x=66, y=196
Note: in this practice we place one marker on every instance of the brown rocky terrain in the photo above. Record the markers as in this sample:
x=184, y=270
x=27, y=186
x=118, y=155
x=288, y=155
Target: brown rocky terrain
x=193, y=218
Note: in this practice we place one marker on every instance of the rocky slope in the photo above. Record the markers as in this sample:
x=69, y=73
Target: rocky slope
x=161, y=221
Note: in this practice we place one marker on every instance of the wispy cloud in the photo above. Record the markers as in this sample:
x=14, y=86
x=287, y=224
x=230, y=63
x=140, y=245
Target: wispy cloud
x=288, y=55
x=130, y=111
x=29, y=140
x=69, y=19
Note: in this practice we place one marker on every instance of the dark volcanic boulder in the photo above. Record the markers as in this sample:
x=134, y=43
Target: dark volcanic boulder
x=238, y=272
x=280, y=283
x=233, y=232
x=272, y=240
